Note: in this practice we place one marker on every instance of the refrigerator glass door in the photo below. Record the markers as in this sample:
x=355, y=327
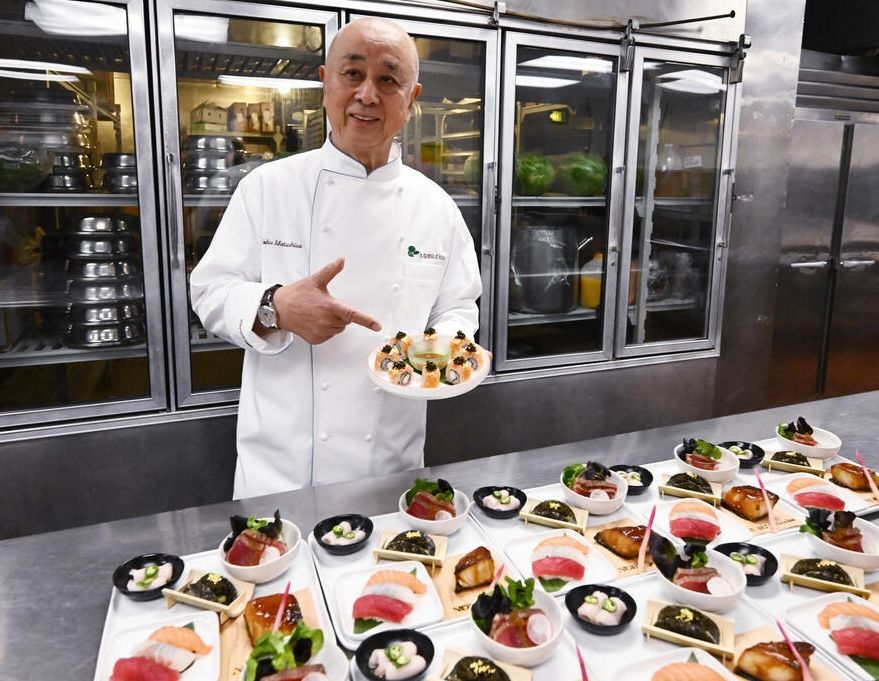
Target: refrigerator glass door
x=80, y=313
x=853, y=346
x=247, y=93
x=680, y=146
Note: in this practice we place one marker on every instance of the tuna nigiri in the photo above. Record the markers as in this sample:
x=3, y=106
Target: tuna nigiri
x=389, y=595
x=380, y=607
x=558, y=560
x=846, y=608
x=812, y=492
x=686, y=671
x=855, y=636
x=693, y=520
x=141, y=669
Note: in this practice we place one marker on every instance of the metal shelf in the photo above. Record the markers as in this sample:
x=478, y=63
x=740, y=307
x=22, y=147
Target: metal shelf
x=42, y=350
x=558, y=201
x=60, y=200
x=206, y=200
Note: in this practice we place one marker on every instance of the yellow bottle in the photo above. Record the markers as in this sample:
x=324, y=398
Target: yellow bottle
x=591, y=276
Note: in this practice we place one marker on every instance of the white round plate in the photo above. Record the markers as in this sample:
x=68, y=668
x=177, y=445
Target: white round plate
x=414, y=391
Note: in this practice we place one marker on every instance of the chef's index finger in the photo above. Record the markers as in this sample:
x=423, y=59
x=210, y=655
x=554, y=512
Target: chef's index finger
x=351, y=316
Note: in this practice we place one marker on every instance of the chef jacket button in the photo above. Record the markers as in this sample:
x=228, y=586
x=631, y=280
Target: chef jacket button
x=376, y=389
x=325, y=228
x=324, y=437
x=324, y=386
x=395, y=287
x=368, y=438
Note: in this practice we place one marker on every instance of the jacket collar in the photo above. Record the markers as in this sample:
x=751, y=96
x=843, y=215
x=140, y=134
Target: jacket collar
x=337, y=161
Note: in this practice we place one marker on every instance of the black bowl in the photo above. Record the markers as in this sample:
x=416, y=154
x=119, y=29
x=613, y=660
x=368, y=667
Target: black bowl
x=646, y=478
x=757, y=452
x=384, y=639
x=492, y=513
x=357, y=522
x=574, y=599
x=770, y=567
x=121, y=575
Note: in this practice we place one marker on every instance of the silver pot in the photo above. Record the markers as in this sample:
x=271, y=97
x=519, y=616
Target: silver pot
x=119, y=161
x=106, y=335
x=102, y=269
x=213, y=143
x=72, y=161
x=104, y=313
x=99, y=245
x=543, y=267
x=120, y=183
x=195, y=183
x=130, y=288
x=202, y=163
x=93, y=224
x=67, y=181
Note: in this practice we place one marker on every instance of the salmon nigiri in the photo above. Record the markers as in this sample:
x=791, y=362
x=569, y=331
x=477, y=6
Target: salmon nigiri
x=686, y=671
x=847, y=608
x=181, y=637
x=398, y=577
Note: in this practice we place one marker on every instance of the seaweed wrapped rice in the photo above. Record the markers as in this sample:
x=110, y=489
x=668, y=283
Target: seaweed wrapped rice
x=473, y=668
x=412, y=541
x=818, y=568
x=688, y=622
x=792, y=458
x=555, y=510
x=692, y=482
x=213, y=587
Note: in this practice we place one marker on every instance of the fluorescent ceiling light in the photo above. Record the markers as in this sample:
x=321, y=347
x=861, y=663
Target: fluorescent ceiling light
x=692, y=74
x=33, y=75
x=693, y=81
x=73, y=17
x=275, y=83
x=201, y=28
x=544, y=82
x=43, y=66
x=569, y=63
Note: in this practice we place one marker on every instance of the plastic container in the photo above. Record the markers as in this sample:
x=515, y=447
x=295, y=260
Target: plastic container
x=591, y=275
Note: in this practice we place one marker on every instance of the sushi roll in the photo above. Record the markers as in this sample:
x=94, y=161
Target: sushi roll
x=389, y=596
x=386, y=357
x=459, y=341
x=458, y=371
x=429, y=333
x=430, y=375
x=400, y=373
x=559, y=560
x=470, y=353
x=401, y=342
x=813, y=492
x=694, y=521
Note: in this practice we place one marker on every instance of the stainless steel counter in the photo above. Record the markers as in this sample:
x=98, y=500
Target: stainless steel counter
x=55, y=587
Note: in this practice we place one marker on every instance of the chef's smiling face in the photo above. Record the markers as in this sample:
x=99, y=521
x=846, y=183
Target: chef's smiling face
x=370, y=84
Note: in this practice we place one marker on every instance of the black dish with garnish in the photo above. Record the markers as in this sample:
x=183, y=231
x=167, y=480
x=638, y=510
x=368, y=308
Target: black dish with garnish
x=574, y=599
x=645, y=477
x=355, y=521
x=483, y=492
x=386, y=639
x=757, y=452
x=122, y=575
x=743, y=549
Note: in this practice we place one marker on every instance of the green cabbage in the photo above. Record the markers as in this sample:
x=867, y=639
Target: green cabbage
x=533, y=175
x=581, y=174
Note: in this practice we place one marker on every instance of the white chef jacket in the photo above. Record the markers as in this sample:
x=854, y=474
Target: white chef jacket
x=310, y=415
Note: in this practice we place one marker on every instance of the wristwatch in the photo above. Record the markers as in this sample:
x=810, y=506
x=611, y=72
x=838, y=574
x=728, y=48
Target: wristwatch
x=265, y=313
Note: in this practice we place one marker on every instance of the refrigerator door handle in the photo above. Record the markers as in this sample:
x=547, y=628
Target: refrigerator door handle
x=811, y=265
x=856, y=263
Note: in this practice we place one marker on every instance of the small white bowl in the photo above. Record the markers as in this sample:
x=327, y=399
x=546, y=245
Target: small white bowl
x=257, y=574
x=728, y=569
x=865, y=561
x=443, y=527
x=528, y=657
x=827, y=447
x=597, y=506
x=726, y=471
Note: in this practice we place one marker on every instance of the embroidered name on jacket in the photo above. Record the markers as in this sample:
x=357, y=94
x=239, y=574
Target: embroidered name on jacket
x=282, y=244
x=413, y=252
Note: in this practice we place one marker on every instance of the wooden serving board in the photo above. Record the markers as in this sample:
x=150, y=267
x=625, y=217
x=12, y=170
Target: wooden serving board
x=581, y=515
x=820, y=671
x=725, y=649
x=235, y=645
x=441, y=543
x=815, y=467
x=452, y=656
x=233, y=609
x=783, y=521
x=457, y=605
x=626, y=567
x=786, y=562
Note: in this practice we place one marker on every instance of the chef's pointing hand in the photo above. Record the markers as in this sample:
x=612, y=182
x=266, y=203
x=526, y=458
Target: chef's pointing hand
x=306, y=307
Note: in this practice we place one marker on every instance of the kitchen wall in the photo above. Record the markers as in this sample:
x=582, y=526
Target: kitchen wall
x=56, y=482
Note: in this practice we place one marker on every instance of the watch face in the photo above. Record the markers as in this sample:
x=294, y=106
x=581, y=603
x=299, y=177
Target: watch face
x=266, y=317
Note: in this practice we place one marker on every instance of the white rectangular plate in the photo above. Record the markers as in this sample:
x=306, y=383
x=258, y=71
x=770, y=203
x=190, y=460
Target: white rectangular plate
x=779, y=485
x=730, y=530
x=428, y=608
x=598, y=568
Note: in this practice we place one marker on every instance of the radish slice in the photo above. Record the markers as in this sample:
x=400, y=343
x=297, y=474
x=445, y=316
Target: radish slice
x=443, y=515
x=718, y=586
x=539, y=628
x=599, y=495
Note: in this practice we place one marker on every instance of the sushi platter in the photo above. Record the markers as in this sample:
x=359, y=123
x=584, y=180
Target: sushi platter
x=126, y=618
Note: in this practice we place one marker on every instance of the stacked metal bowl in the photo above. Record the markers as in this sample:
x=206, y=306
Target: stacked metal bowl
x=44, y=142
x=104, y=282
x=212, y=163
x=120, y=173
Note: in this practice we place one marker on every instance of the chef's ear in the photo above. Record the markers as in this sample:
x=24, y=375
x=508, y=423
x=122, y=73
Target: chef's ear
x=416, y=90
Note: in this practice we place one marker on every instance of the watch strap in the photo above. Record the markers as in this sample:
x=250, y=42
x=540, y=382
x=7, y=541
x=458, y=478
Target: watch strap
x=269, y=295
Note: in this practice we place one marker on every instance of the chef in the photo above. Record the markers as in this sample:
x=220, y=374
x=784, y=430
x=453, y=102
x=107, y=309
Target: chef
x=318, y=259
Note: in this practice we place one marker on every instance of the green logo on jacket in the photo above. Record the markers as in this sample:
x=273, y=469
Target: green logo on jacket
x=413, y=251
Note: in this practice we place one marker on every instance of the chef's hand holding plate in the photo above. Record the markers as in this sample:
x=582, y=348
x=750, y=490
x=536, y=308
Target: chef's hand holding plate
x=306, y=307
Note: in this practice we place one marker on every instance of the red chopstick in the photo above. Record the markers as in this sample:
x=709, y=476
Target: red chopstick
x=807, y=675
x=642, y=551
x=584, y=676
x=281, y=609
x=770, y=509
x=873, y=488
